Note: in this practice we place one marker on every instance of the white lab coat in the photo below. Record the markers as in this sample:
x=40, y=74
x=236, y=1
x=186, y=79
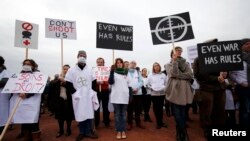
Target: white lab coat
x=84, y=99
x=4, y=101
x=28, y=110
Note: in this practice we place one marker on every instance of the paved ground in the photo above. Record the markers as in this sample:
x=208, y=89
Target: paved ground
x=49, y=129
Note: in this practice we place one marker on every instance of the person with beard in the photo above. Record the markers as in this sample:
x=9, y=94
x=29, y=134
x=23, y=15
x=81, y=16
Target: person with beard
x=4, y=98
x=178, y=90
x=103, y=97
x=30, y=126
x=242, y=79
x=80, y=83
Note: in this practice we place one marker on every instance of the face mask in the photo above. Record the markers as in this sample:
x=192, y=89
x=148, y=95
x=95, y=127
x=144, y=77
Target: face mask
x=27, y=68
x=82, y=60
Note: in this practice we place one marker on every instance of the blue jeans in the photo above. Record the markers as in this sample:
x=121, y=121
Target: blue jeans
x=85, y=126
x=180, y=116
x=120, y=117
x=244, y=98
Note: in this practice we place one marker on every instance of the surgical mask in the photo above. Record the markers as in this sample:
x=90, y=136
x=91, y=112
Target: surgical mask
x=82, y=60
x=27, y=68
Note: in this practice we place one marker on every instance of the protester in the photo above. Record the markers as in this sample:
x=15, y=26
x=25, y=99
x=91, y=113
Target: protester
x=119, y=96
x=179, y=91
x=63, y=104
x=29, y=109
x=146, y=98
x=126, y=65
x=135, y=105
x=168, y=105
x=212, y=92
x=156, y=82
x=44, y=97
x=102, y=88
x=242, y=79
x=4, y=98
x=230, y=106
x=52, y=95
x=80, y=83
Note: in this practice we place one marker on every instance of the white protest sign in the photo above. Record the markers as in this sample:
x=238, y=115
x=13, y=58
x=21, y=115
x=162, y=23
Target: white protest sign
x=26, y=35
x=62, y=29
x=101, y=73
x=192, y=53
x=26, y=83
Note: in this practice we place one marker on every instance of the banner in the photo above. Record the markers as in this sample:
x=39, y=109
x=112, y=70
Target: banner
x=220, y=56
x=101, y=73
x=61, y=29
x=113, y=36
x=170, y=29
x=26, y=83
x=26, y=35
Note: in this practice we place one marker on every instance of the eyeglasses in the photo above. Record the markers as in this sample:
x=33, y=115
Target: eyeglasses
x=179, y=50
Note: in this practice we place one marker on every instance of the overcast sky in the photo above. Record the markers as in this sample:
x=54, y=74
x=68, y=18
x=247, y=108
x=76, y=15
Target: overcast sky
x=223, y=19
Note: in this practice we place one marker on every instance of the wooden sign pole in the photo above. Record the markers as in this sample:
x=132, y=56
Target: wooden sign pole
x=10, y=118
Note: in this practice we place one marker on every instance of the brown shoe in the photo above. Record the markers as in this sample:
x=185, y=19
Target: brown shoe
x=130, y=126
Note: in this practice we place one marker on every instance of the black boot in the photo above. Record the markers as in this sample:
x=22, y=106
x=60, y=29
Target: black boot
x=185, y=135
x=181, y=135
x=178, y=134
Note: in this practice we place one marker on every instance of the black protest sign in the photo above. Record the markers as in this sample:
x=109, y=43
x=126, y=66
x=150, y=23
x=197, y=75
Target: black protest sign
x=113, y=36
x=220, y=56
x=170, y=29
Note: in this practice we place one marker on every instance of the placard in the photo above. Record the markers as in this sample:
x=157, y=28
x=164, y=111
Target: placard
x=220, y=56
x=170, y=29
x=62, y=29
x=26, y=83
x=114, y=36
x=101, y=73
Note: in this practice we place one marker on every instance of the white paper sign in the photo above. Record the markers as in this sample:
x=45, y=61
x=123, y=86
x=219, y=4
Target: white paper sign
x=102, y=73
x=62, y=29
x=26, y=83
x=26, y=35
x=192, y=53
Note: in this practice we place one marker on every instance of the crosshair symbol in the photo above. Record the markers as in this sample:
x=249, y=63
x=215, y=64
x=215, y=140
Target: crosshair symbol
x=171, y=28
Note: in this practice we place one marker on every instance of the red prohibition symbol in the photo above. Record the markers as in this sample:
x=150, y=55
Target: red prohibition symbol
x=27, y=26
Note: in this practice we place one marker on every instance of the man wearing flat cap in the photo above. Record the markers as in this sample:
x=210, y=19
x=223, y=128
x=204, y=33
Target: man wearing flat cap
x=79, y=84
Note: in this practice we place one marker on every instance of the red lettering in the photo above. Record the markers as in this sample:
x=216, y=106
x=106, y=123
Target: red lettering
x=28, y=87
x=60, y=28
x=50, y=28
x=38, y=77
x=17, y=88
x=25, y=76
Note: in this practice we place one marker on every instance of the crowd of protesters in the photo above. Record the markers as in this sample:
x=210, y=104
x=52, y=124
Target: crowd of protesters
x=75, y=94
